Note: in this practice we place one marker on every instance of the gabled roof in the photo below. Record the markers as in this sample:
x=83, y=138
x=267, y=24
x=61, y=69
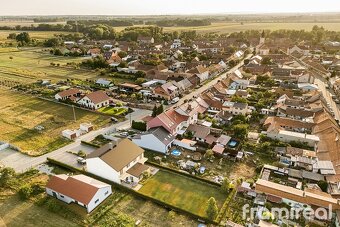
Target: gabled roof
x=199, y=131
x=120, y=156
x=68, y=92
x=80, y=187
x=98, y=97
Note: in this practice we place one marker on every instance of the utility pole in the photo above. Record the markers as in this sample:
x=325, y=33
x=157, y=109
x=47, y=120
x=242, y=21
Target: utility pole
x=74, y=114
x=130, y=120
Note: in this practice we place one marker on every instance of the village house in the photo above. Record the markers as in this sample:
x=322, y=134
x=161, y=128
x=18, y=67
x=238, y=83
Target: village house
x=156, y=139
x=166, y=91
x=95, y=100
x=72, y=94
x=122, y=162
x=201, y=72
x=145, y=40
x=236, y=108
x=80, y=189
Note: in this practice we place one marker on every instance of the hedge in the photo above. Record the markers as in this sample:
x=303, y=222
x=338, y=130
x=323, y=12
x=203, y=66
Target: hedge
x=136, y=193
x=139, y=125
x=90, y=144
x=183, y=173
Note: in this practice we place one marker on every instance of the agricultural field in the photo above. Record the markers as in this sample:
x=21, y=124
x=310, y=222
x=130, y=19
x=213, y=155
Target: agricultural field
x=188, y=194
x=20, y=114
x=38, y=35
x=28, y=65
x=227, y=27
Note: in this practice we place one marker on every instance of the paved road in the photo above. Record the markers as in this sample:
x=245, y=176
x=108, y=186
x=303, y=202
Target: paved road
x=211, y=83
x=21, y=162
x=321, y=82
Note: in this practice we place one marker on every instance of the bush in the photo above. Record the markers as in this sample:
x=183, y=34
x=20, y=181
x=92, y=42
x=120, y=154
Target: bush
x=139, y=125
x=25, y=192
x=29, y=190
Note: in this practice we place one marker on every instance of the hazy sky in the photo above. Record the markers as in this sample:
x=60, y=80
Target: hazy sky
x=150, y=7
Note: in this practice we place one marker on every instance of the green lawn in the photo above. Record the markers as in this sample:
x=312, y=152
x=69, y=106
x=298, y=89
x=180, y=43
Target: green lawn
x=115, y=111
x=183, y=192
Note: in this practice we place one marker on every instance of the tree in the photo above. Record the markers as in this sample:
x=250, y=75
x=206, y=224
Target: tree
x=154, y=111
x=211, y=209
x=12, y=36
x=209, y=154
x=6, y=174
x=53, y=42
x=266, y=61
x=122, y=54
x=23, y=38
x=160, y=109
x=225, y=185
x=240, y=130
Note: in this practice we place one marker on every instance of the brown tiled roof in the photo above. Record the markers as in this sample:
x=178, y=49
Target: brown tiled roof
x=199, y=131
x=137, y=170
x=74, y=187
x=69, y=92
x=98, y=97
x=121, y=155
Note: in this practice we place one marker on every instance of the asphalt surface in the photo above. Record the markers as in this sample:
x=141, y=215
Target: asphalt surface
x=21, y=162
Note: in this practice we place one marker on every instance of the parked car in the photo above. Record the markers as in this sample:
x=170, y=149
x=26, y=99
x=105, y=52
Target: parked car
x=81, y=161
x=113, y=119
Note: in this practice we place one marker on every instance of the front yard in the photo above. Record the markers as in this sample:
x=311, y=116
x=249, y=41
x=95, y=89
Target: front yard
x=183, y=192
x=114, y=111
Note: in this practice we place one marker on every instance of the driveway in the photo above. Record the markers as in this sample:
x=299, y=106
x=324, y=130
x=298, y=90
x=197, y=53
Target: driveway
x=21, y=162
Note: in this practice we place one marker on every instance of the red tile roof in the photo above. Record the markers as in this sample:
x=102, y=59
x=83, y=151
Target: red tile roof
x=98, y=97
x=75, y=188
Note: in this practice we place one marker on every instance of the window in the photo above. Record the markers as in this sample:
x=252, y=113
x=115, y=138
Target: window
x=128, y=165
x=96, y=201
x=62, y=196
x=107, y=192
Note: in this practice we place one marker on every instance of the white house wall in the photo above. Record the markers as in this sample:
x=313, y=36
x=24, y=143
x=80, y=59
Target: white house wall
x=65, y=198
x=149, y=141
x=100, y=168
x=99, y=195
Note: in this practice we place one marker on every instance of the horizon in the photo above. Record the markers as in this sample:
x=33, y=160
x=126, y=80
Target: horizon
x=159, y=8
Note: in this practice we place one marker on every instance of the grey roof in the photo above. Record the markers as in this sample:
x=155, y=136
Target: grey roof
x=312, y=176
x=240, y=105
x=295, y=173
x=163, y=135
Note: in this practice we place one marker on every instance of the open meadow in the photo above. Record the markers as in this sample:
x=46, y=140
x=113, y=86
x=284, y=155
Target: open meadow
x=39, y=35
x=188, y=194
x=28, y=65
x=20, y=114
x=229, y=27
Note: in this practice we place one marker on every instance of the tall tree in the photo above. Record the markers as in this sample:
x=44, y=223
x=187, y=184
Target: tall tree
x=212, y=208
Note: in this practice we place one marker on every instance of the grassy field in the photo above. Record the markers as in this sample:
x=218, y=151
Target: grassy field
x=227, y=27
x=20, y=114
x=31, y=64
x=39, y=35
x=188, y=194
